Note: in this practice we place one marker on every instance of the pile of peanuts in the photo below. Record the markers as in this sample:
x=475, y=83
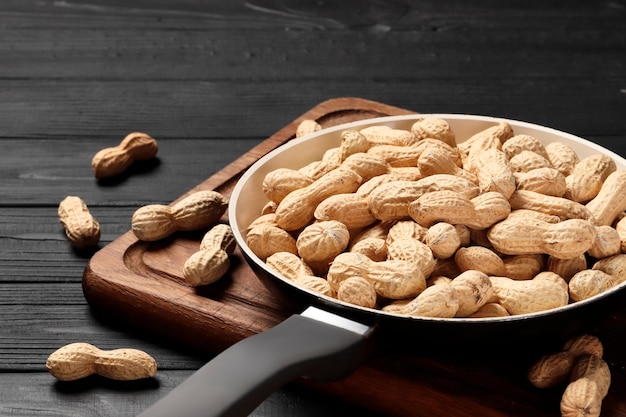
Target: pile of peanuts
x=581, y=370
x=419, y=222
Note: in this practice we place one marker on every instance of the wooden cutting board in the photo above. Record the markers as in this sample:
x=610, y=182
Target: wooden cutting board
x=141, y=282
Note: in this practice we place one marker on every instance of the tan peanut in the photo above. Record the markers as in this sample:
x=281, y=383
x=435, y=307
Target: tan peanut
x=581, y=399
x=435, y=301
x=82, y=230
x=316, y=284
x=607, y=243
x=306, y=127
x=412, y=250
x=358, y=291
x=455, y=208
x=521, y=267
x=136, y=146
x=528, y=296
x=489, y=138
x=562, y=157
x=353, y=141
x=494, y=174
x=348, y=208
x=473, y=289
x=406, y=228
x=527, y=161
x=610, y=201
x=563, y=240
x=620, y=228
x=559, y=206
x=297, y=209
x=435, y=128
x=393, y=279
x=490, y=310
x=519, y=143
x=211, y=262
x=374, y=248
x=330, y=161
x=390, y=201
x=319, y=243
x=197, y=211
x=584, y=344
x=595, y=368
x=366, y=165
x=551, y=370
x=443, y=239
x=481, y=259
x=567, y=268
x=546, y=180
x=280, y=182
x=603, y=275
x=587, y=177
x=79, y=360
x=265, y=240
x=289, y=265
x=385, y=135
x=434, y=159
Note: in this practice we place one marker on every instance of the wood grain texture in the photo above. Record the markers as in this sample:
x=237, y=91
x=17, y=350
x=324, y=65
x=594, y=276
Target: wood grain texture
x=211, y=80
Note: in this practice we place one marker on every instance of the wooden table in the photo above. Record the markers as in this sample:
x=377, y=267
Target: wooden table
x=211, y=80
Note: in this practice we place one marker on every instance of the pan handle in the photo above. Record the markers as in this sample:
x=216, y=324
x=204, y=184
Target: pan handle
x=315, y=344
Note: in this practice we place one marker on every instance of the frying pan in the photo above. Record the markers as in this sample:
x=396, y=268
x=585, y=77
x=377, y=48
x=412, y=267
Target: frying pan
x=326, y=339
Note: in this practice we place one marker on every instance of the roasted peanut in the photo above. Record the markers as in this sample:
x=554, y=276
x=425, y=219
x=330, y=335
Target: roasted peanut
x=548, y=181
x=366, y=165
x=265, y=240
x=289, y=265
x=527, y=161
x=581, y=399
x=80, y=227
x=473, y=289
x=136, y=146
x=307, y=127
x=521, y=236
x=211, y=262
x=584, y=344
x=434, y=159
x=297, y=209
x=455, y=208
x=319, y=243
x=79, y=360
x=435, y=301
x=559, y=206
x=394, y=279
x=390, y=201
x=562, y=157
x=280, y=182
x=521, y=267
x=353, y=141
x=412, y=250
x=385, y=135
x=519, y=143
x=551, y=370
x=490, y=310
x=481, y=259
x=374, y=248
x=528, y=296
x=432, y=127
x=443, y=239
x=357, y=291
x=610, y=201
x=587, y=177
x=567, y=268
x=197, y=211
x=348, y=208
x=494, y=174
x=607, y=243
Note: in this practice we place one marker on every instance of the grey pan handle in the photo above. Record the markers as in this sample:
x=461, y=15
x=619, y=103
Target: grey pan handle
x=315, y=344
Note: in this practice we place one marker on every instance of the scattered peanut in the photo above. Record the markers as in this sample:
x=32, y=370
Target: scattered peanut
x=307, y=127
x=135, y=146
x=197, y=211
x=81, y=228
x=212, y=261
x=79, y=360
